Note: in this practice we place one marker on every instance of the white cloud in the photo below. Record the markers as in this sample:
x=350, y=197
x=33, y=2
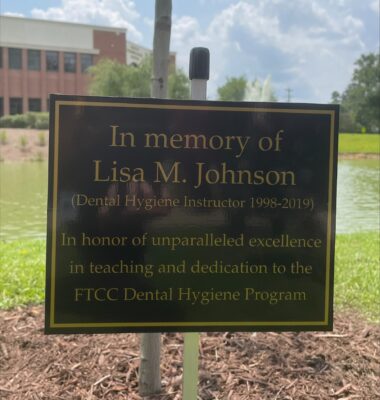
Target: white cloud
x=374, y=6
x=149, y=22
x=353, y=23
x=14, y=14
x=307, y=45
x=116, y=13
x=185, y=34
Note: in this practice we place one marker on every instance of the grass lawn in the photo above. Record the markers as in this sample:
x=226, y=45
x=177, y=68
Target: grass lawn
x=357, y=272
x=359, y=143
x=22, y=272
x=357, y=282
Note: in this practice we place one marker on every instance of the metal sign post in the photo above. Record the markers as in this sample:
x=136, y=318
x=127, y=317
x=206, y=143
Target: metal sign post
x=199, y=72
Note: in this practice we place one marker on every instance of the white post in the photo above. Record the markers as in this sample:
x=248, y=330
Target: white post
x=149, y=374
x=198, y=89
x=199, y=71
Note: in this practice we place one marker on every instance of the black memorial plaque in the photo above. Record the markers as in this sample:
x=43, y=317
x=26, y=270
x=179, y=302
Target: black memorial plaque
x=190, y=216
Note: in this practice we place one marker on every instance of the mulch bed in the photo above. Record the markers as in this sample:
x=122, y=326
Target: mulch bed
x=32, y=150
x=343, y=364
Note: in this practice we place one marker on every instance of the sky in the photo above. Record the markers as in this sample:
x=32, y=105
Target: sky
x=308, y=46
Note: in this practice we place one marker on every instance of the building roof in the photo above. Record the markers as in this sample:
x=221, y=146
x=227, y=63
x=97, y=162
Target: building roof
x=34, y=33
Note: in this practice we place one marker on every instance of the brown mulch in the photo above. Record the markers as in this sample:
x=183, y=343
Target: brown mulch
x=339, y=365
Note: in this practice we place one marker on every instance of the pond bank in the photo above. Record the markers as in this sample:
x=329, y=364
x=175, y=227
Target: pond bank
x=359, y=156
x=17, y=145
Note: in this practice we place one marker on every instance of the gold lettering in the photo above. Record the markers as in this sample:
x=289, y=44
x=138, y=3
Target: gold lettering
x=96, y=294
x=273, y=297
x=122, y=136
x=172, y=176
x=224, y=175
x=156, y=140
x=97, y=177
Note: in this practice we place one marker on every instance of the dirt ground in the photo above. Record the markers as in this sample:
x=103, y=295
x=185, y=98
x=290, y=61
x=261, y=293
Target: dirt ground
x=339, y=365
x=24, y=145
x=33, y=150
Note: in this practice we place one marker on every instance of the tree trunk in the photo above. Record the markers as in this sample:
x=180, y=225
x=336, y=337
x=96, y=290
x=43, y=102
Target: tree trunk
x=161, y=44
x=150, y=376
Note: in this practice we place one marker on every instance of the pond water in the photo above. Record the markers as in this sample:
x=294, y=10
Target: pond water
x=23, y=193
x=23, y=198
x=358, y=199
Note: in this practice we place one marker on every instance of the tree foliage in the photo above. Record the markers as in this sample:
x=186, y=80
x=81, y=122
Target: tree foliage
x=257, y=91
x=233, y=89
x=361, y=100
x=178, y=85
x=110, y=78
x=239, y=89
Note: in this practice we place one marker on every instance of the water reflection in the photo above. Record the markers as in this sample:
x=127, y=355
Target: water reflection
x=23, y=193
x=358, y=199
x=23, y=198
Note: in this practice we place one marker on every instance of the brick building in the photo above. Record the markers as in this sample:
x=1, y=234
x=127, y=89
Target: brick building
x=38, y=57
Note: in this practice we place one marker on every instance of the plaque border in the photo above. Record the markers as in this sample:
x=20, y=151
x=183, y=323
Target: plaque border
x=329, y=110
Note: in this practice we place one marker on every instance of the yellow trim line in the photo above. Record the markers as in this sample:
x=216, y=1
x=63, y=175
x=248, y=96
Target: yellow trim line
x=60, y=103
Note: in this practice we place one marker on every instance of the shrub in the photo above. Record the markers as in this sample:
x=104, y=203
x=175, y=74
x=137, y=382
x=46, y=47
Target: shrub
x=23, y=143
x=13, y=121
x=33, y=120
x=41, y=120
x=3, y=137
x=30, y=119
x=6, y=121
x=41, y=139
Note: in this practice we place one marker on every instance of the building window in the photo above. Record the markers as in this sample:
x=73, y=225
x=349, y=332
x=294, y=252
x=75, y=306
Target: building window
x=70, y=62
x=15, y=105
x=86, y=61
x=34, y=60
x=15, y=60
x=52, y=60
x=34, y=104
x=1, y=106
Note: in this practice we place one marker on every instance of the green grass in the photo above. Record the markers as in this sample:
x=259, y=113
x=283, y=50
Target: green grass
x=22, y=272
x=357, y=274
x=359, y=143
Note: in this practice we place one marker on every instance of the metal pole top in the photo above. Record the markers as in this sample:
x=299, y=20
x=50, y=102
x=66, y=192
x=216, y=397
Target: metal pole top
x=199, y=63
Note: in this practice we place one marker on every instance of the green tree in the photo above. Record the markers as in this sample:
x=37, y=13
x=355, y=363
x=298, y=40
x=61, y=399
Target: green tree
x=178, y=85
x=239, y=89
x=361, y=99
x=138, y=79
x=107, y=78
x=346, y=116
x=110, y=78
x=233, y=90
x=335, y=97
